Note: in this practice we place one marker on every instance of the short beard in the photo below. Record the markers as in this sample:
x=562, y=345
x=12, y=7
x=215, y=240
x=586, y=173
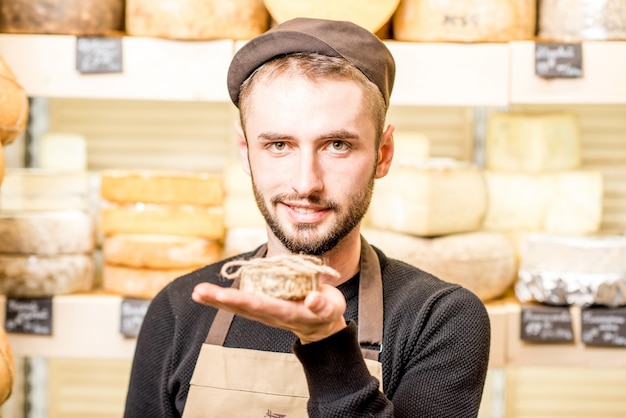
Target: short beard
x=347, y=220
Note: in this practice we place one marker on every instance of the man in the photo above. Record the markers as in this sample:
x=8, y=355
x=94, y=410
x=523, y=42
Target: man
x=385, y=339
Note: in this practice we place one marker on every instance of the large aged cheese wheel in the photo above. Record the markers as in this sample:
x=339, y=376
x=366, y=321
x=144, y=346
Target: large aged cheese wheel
x=566, y=20
x=196, y=19
x=7, y=367
x=435, y=196
x=465, y=20
x=483, y=262
x=13, y=105
x=138, y=282
x=74, y=17
x=370, y=14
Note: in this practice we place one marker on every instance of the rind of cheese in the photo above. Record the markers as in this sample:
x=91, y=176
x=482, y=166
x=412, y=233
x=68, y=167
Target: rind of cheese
x=39, y=276
x=241, y=211
x=38, y=189
x=159, y=251
x=483, y=262
x=560, y=202
x=465, y=21
x=434, y=197
x=570, y=21
x=187, y=220
x=170, y=187
x=196, y=19
x=242, y=240
x=14, y=105
x=526, y=142
x=47, y=233
x=138, y=282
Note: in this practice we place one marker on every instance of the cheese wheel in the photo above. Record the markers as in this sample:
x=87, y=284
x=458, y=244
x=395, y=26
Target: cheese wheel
x=171, y=187
x=370, y=14
x=483, y=262
x=242, y=212
x=159, y=251
x=7, y=367
x=139, y=218
x=196, y=19
x=465, y=21
x=73, y=17
x=39, y=276
x=540, y=142
x=138, y=282
x=13, y=102
x=432, y=197
x=243, y=240
x=559, y=202
x=47, y=233
x=36, y=189
x=569, y=21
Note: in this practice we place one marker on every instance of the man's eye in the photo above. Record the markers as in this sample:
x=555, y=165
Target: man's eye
x=339, y=146
x=279, y=146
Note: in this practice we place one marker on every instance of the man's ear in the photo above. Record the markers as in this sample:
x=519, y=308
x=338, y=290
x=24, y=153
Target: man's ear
x=242, y=145
x=385, y=152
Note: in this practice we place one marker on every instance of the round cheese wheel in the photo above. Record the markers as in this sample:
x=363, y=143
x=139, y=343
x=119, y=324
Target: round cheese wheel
x=465, y=21
x=370, y=14
x=196, y=19
x=171, y=187
x=39, y=276
x=47, y=233
x=13, y=102
x=7, y=367
x=159, y=251
x=483, y=262
x=138, y=282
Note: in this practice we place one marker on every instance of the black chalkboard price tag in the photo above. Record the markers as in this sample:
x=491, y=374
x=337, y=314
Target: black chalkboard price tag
x=98, y=54
x=603, y=326
x=546, y=324
x=29, y=315
x=133, y=311
x=558, y=60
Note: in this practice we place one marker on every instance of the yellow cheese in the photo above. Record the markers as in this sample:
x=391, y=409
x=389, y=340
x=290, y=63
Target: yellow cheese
x=39, y=276
x=465, y=21
x=146, y=186
x=139, y=218
x=483, y=262
x=540, y=142
x=434, y=197
x=243, y=240
x=13, y=102
x=36, y=189
x=50, y=233
x=159, y=251
x=561, y=202
x=138, y=282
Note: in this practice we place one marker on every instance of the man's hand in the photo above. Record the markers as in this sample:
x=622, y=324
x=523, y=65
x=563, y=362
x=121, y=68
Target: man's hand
x=318, y=316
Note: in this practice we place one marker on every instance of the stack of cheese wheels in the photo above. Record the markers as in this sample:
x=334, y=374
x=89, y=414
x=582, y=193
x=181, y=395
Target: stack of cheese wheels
x=196, y=19
x=481, y=261
x=434, y=196
x=157, y=225
x=245, y=226
x=48, y=233
x=74, y=17
x=571, y=21
x=534, y=176
x=465, y=21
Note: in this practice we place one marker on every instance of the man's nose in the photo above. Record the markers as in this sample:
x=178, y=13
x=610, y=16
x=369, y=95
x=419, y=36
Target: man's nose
x=308, y=176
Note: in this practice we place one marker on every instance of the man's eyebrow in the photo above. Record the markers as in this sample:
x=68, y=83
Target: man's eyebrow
x=338, y=134
x=273, y=136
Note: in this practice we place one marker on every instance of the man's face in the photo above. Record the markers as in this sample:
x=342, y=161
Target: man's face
x=312, y=156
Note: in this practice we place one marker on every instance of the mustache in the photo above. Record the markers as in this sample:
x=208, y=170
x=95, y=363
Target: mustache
x=312, y=199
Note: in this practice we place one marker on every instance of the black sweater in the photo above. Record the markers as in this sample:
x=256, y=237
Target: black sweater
x=434, y=358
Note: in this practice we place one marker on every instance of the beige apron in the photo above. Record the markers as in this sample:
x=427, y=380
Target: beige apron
x=242, y=383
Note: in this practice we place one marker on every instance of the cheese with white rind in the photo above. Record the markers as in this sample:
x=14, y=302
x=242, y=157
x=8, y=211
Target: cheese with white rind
x=138, y=282
x=159, y=251
x=533, y=142
x=575, y=21
x=139, y=218
x=170, y=187
x=558, y=202
x=47, y=233
x=432, y=197
x=483, y=262
x=39, y=276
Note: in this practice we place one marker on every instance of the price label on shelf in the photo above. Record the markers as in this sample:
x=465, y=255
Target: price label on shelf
x=546, y=324
x=29, y=315
x=133, y=311
x=98, y=54
x=558, y=60
x=603, y=326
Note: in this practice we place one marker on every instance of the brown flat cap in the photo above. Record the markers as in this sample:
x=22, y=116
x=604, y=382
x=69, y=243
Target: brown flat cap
x=327, y=37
